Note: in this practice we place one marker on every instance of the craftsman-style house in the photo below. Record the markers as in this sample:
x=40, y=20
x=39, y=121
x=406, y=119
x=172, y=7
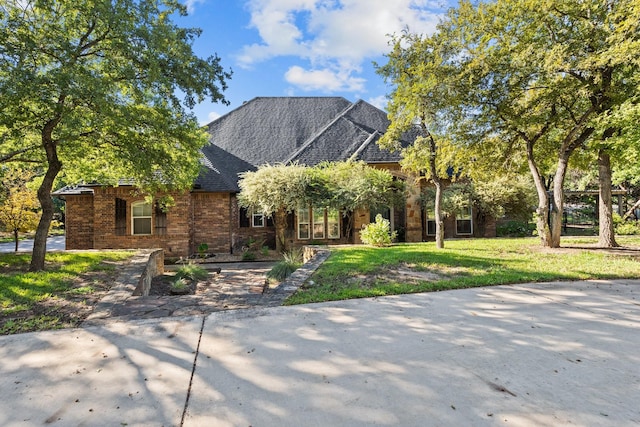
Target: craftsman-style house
x=269, y=130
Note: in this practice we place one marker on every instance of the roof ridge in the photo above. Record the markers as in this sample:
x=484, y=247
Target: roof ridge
x=364, y=145
x=313, y=137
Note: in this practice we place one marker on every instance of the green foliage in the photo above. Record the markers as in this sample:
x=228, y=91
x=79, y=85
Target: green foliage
x=191, y=272
x=202, y=249
x=179, y=285
x=515, y=229
x=19, y=207
x=378, y=233
x=249, y=256
x=360, y=271
x=292, y=260
x=22, y=290
x=293, y=256
x=340, y=185
x=99, y=90
x=627, y=227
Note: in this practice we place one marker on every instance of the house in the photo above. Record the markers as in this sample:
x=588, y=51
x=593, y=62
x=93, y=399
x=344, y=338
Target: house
x=265, y=130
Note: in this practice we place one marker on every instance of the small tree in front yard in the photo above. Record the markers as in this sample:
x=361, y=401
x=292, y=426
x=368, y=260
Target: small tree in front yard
x=19, y=208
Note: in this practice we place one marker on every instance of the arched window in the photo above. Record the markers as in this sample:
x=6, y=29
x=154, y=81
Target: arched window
x=141, y=218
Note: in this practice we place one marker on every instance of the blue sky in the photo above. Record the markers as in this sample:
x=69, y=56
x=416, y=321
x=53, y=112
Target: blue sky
x=303, y=47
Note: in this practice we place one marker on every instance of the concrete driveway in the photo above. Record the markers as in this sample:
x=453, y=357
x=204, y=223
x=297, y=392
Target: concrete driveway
x=55, y=243
x=524, y=355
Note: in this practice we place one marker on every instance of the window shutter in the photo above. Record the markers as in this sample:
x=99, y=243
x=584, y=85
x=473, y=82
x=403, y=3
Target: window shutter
x=121, y=217
x=245, y=221
x=161, y=221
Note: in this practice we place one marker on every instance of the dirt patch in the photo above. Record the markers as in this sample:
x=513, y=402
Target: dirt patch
x=162, y=285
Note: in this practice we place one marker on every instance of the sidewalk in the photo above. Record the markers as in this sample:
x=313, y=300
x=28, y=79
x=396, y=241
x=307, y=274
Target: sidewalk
x=55, y=243
x=534, y=354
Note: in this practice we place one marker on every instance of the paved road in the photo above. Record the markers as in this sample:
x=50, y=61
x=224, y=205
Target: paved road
x=55, y=243
x=525, y=355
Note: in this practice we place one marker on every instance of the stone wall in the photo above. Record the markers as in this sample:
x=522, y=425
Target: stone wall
x=153, y=267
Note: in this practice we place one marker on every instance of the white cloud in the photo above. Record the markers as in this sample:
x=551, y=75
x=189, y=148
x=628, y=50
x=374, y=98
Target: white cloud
x=379, y=101
x=333, y=36
x=213, y=115
x=324, y=80
x=191, y=4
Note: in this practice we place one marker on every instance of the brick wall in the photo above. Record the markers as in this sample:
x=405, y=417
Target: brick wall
x=175, y=242
x=211, y=214
x=79, y=222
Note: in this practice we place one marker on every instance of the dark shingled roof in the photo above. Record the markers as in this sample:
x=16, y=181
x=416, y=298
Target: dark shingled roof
x=306, y=130
x=270, y=130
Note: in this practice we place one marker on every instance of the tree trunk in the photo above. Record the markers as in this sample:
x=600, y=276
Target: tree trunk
x=15, y=238
x=281, y=230
x=557, y=206
x=542, y=211
x=433, y=151
x=44, y=196
x=438, y=214
x=606, y=235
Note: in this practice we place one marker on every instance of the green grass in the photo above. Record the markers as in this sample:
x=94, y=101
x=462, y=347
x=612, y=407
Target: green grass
x=362, y=271
x=20, y=290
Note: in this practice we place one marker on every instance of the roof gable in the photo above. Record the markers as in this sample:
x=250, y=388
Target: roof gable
x=270, y=129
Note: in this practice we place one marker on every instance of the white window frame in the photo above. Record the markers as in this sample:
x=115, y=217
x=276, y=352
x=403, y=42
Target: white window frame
x=318, y=223
x=134, y=217
x=308, y=222
x=262, y=220
x=467, y=216
x=331, y=214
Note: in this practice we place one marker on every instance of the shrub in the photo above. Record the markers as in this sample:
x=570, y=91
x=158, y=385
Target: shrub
x=179, y=285
x=628, y=228
x=378, y=233
x=292, y=260
x=249, y=256
x=191, y=272
x=515, y=229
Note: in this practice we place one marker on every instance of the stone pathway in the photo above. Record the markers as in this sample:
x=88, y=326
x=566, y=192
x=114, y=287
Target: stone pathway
x=239, y=286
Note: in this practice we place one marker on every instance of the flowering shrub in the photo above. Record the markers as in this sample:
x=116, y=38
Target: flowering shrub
x=378, y=233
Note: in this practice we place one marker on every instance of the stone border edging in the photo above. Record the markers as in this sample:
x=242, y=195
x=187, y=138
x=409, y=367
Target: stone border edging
x=134, y=277
x=298, y=277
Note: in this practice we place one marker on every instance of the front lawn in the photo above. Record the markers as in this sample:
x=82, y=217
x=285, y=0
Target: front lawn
x=59, y=297
x=363, y=271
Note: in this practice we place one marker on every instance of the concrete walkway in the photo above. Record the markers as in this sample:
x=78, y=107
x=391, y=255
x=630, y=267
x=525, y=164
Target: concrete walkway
x=55, y=243
x=525, y=355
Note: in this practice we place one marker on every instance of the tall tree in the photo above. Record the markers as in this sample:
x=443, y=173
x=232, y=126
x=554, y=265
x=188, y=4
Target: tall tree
x=419, y=108
x=100, y=89
x=543, y=74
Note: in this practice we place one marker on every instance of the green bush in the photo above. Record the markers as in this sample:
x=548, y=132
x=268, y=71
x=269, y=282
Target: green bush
x=515, y=229
x=249, y=256
x=292, y=260
x=378, y=233
x=191, y=272
x=628, y=228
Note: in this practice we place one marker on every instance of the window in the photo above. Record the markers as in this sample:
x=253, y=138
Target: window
x=318, y=223
x=258, y=220
x=304, y=220
x=248, y=218
x=121, y=217
x=430, y=223
x=244, y=218
x=464, y=223
x=333, y=224
x=141, y=218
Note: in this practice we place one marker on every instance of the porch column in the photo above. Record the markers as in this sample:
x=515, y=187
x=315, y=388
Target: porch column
x=413, y=210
